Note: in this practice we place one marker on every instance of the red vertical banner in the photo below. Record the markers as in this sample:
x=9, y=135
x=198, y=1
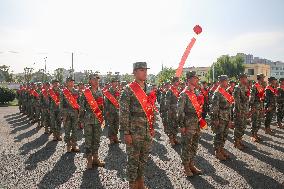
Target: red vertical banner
x=197, y=30
x=184, y=57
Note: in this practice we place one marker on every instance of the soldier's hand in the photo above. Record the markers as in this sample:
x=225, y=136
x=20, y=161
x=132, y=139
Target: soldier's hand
x=128, y=139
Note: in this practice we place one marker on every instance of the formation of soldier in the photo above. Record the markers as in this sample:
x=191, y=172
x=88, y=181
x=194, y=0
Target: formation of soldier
x=184, y=107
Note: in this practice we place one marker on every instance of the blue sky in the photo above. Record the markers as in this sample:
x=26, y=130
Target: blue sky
x=110, y=35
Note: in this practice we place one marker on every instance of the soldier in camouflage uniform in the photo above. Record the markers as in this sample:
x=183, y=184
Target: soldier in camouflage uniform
x=19, y=98
x=270, y=103
x=241, y=110
x=220, y=111
x=55, y=116
x=38, y=105
x=70, y=116
x=257, y=106
x=189, y=124
x=163, y=112
x=171, y=109
x=92, y=126
x=280, y=103
x=112, y=112
x=136, y=129
x=44, y=104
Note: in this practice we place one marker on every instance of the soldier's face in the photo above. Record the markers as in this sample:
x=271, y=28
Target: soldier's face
x=94, y=82
x=70, y=84
x=114, y=84
x=244, y=80
x=140, y=74
x=194, y=81
x=224, y=83
x=55, y=85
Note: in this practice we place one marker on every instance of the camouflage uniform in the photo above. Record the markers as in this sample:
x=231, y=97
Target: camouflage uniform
x=241, y=110
x=134, y=122
x=112, y=114
x=188, y=119
x=45, y=115
x=220, y=111
x=163, y=112
x=280, y=103
x=257, y=108
x=171, y=109
x=270, y=105
x=70, y=117
x=55, y=116
x=19, y=98
x=92, y=127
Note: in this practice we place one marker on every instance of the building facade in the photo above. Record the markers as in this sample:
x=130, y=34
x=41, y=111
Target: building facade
x=253, y=69
x=202, y=72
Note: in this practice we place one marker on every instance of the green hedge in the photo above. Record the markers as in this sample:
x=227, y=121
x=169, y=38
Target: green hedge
x=6, y=95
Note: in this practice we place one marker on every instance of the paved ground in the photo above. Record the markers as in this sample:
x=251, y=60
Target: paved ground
x=30, y=159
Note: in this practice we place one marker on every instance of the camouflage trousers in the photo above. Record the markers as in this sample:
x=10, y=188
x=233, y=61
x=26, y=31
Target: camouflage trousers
x=280, y=112
x=256, y=119
x=92, y=134
x=172, y=125
x=165, y=122
x=240, y=122
x=137, y=157
x=268, y=118
x=55, y=121
x=220, y=134
x=113, y=123
x=70, y=127
x=189, y=145
x=45, y=118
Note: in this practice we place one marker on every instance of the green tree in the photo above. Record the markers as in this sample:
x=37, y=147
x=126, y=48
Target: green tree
x=58, y=74
x=126, y=77
x=165, y=75
x=5, y=74
x=226, y=65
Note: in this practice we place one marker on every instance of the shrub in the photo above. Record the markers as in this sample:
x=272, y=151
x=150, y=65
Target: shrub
x=6, y=95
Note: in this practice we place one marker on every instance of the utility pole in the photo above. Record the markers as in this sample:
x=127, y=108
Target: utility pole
x=72, y=66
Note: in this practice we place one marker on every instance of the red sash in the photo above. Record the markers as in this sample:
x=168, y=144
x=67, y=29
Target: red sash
x=175, y=91
x=54, y=96
x=145, y=103
x=226, y=95
x=71, y=99
x=230, y=89
x=34, y=93
x=260, y=91
x=44, y=93
x=198, y=109
x=152, y=97
x=94, y=105
x=274, y=91
x=111, y=98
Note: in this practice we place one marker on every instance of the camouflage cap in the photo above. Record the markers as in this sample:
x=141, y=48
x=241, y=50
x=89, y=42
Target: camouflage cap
x=242, y=75
x=270, y=79
x=175, y=79
x=259, y=76
x=94, y=76
x=139, y=65
x=191, y=74
x=232, y=81
x=114, y=79
x=281, y=79
x=54, y=81
x=69, y=79
x=39, y=83
x=223, y=78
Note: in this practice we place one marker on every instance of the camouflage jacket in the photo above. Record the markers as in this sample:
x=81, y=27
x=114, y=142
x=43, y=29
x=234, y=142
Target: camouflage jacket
x=109, y=107
x=163, y=102
x=220, y=108
x=65, y=106
x=132, y=117
x=44, y=101
x=186, y=114
x=270, y=99
x=86, y=113
x=52, y=104
x=254, y=100
x=241, y=99
x=171, y=102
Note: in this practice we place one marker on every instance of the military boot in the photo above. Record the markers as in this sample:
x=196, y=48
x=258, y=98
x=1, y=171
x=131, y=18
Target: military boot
x=172, y=142
x=225, y=154
x=187, y=170
x=280, y=126
x=55, y=137
x=194, y=169
x=58, y=136
x=238, y=145
x=254, y=138
x=75, y=147
x=219, y=155
x=89, y=161
x=46, y=130
x=97, y=161
x=268, y=131
x=69, y=146
x=176, y=141
x=140, y=183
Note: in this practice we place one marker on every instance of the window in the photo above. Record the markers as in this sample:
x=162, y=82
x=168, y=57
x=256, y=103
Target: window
x=281, y=73
x=250, y=71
